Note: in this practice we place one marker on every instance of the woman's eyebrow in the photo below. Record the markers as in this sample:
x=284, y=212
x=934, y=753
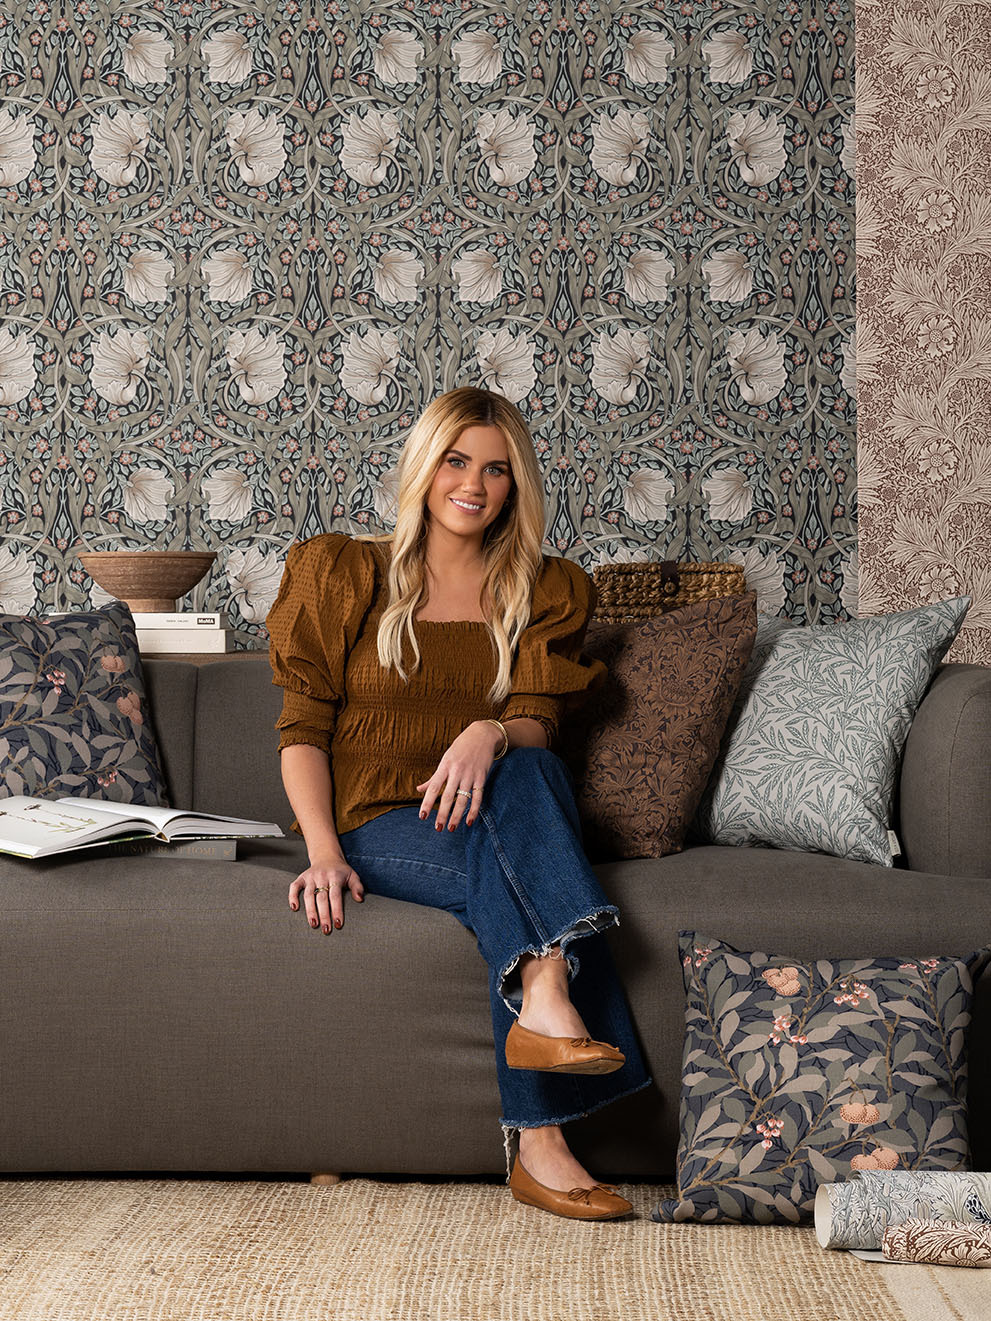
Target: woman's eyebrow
x=504, y=463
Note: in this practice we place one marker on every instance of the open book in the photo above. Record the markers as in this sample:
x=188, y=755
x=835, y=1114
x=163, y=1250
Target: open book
x=38, y=827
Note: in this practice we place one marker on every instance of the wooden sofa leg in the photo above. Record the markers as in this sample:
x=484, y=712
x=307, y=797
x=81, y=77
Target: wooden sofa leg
x=325, y=1180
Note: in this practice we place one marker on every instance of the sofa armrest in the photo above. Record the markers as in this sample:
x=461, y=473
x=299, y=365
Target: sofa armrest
x=945, y=789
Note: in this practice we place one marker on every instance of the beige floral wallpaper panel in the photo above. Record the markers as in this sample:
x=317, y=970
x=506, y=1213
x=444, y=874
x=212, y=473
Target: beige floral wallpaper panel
x=923, y=125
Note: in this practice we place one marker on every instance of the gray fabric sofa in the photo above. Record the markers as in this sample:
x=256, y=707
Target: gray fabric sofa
x=174, y=1015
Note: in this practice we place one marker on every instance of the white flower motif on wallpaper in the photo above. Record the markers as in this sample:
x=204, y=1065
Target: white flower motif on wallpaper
x=396, y=276
x=228, y=57
x=119, y=144
x=368, y=144
x=478, y=57
x=17, y=370
x=17, y=153
x=757, y=145
x=228, y=274
x=647, y=56
x=385, y=496
x=730, y=278
x=848, y=372
x=395, y=58
x=850, y=591
x=119, y=363
x=646, y=496
x=764, y=574
x=257, y=364
x=619, y=144
x=146, y=495
x=254, y=576
x=506, y=363
x=17, y=594
x=147, y=276
x=647, y=276
x=848, y=156
x=729, y=495
x=622, y=555
x=228, y=495
x=478, y=275
x=730, y=56
x=757, y=364
x=370, y=362
x=507, y=146
x=620, y=364
x=146, y=56
x=257, y=145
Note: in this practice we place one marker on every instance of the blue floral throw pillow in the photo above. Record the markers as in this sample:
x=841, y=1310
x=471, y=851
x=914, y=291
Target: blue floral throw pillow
x=73, y=714
x=813, y=745
x=796, y=1074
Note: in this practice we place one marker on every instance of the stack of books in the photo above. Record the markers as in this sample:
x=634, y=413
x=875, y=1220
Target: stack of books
x=184, y=631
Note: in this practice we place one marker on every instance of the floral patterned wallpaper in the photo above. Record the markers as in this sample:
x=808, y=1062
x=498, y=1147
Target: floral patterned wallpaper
x=924, y=314
x=242, y=247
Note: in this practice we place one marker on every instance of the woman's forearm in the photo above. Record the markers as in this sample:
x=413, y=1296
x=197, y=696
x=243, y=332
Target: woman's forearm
x=307, y=780
x=523, y=732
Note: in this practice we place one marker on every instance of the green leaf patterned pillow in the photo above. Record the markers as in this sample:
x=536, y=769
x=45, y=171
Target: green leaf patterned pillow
x=797, y=1073
x=813, y=746
x=73, y=713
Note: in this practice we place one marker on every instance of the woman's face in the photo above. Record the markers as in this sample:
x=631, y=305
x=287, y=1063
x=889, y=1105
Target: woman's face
x=472, y=483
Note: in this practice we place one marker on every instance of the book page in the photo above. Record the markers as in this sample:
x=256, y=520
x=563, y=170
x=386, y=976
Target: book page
x=30, y=826
x=172, y=822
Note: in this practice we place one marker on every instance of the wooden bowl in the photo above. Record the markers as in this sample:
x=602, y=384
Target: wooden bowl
x=147, y=579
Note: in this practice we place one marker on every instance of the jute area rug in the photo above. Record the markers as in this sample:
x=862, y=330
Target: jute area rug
x=367, y=1250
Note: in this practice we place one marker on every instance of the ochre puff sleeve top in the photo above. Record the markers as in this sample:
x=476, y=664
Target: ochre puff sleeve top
x=384, y=736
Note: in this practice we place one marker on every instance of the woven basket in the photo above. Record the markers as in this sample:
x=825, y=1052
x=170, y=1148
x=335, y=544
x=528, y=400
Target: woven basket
x=628, y=592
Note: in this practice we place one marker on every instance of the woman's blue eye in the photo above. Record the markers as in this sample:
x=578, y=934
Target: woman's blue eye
x=491, y=468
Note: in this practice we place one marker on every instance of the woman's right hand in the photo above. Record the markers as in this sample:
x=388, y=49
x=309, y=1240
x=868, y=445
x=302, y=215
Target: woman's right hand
x=322, y=886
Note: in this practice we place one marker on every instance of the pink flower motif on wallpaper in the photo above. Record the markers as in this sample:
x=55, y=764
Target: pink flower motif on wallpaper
x=756, y=145
x=395, y=57
x=257, y=145
x=257, y=364
x=507, y=146
x=119, y=145
x=17, y=153
x=368, y=144
x=730, y=58
x=228, y=55
x=478, y=57
x=620, y=143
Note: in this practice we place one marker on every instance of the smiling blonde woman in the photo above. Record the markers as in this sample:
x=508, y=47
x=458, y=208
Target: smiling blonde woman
x=425, y=674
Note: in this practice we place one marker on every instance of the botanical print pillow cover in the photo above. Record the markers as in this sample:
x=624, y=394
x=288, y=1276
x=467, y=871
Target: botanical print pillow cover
x=642, y=747
x=797, y=1073
x=813, y=745
x=72, y=709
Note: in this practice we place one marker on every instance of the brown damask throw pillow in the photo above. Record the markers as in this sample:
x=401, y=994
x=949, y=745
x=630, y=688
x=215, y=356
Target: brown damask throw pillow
x=642, y=748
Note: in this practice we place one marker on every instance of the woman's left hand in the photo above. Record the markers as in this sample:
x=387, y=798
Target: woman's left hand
x=464, y=766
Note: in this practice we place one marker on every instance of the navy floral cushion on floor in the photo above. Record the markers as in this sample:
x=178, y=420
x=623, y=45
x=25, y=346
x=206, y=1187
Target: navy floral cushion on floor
x=796, y=1074
x=73, y=713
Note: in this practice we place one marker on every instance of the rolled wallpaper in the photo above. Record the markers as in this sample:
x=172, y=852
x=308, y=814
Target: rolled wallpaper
x=938, y=1242
x=856, y=1214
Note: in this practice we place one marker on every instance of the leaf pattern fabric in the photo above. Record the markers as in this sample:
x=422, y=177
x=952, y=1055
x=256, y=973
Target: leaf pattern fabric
x=813, y=746
x=798, y=1073
x=73, y=711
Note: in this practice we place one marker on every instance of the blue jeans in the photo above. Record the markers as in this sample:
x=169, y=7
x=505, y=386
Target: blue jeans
x=519, y=880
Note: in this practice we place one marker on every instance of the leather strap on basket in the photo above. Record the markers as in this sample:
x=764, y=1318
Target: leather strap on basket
x=670, y=578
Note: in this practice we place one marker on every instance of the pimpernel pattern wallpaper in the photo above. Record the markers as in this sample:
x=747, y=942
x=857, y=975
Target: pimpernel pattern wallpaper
x=243, y=245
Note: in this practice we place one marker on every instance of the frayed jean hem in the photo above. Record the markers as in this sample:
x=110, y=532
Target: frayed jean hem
x=600, y=920
x=509, y=1128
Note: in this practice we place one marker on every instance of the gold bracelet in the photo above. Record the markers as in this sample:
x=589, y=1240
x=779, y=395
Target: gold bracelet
x=505, y=737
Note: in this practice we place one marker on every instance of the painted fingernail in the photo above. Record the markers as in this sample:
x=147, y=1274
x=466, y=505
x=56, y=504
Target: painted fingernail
x=423, y=816
x=439, y=826
x=326, y=931
x=338, y=923
x=313, y=922
x=451, y=827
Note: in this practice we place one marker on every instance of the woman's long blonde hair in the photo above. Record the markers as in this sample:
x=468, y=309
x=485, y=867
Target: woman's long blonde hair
x=511, y=549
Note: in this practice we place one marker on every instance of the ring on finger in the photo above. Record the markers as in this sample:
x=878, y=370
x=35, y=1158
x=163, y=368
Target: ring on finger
x=317, y=889
x=463, y=793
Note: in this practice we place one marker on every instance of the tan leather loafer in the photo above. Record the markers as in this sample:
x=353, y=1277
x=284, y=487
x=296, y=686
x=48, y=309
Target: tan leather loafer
x=600, y=1202
x=532, y=1050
